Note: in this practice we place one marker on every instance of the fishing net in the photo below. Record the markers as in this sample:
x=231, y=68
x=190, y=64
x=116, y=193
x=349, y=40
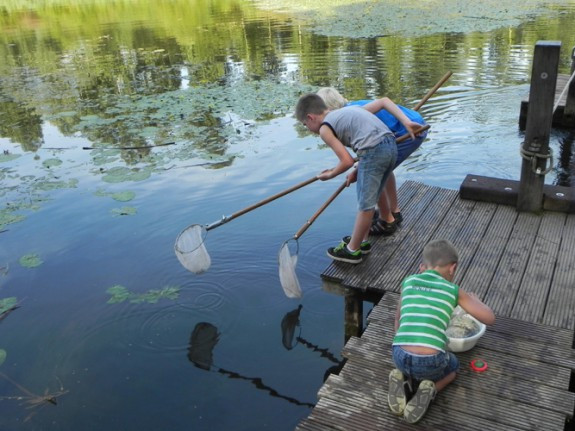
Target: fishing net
x=288, y=277
x=190, y=249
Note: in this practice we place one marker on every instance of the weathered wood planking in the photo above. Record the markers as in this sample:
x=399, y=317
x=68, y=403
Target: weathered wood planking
x=520, y=264
x=525, y=388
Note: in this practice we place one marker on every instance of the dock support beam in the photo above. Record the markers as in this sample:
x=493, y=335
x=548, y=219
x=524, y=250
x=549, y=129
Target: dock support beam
x=353, y=315
x=569, y=112
x=535, y=149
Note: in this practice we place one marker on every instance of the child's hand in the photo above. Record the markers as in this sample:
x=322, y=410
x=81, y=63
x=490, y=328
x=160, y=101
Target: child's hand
x=351, y=178
x=325, y=175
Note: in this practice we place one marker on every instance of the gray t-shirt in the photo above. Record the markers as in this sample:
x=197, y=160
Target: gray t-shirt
x=356, y=128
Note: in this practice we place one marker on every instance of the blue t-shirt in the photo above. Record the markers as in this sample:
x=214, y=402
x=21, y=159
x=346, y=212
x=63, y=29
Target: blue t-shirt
x=389, y=120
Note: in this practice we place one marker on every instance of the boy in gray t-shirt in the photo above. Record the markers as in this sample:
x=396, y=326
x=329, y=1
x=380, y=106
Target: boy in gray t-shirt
x=374, y=144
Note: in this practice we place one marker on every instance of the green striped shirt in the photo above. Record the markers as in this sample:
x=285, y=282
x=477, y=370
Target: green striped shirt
x=427, y=302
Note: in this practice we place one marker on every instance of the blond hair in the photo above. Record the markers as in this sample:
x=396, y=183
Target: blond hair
x=332, y=98
x=439, y=253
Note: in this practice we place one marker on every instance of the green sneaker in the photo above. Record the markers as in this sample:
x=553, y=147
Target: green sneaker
x=365, y=246
x=342, y=254
x=417, y=406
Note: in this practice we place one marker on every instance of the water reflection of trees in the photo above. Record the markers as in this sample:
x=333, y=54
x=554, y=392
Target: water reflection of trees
x=84, y=68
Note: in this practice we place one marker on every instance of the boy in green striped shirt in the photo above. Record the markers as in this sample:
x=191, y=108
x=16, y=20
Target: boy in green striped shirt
x=420, y=344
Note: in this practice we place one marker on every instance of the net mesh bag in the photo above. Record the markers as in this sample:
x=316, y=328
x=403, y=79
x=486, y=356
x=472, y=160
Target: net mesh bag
x=288, y=277
x=191, y=251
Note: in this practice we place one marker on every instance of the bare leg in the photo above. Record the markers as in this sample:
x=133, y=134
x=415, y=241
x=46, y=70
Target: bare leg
x=360, y=229
x=384, y=206
x=440, y=384
x=391, y=191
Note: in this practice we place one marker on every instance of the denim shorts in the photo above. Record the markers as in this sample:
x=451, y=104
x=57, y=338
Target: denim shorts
x=405, y=148
x=375, y=165
x=425, y=367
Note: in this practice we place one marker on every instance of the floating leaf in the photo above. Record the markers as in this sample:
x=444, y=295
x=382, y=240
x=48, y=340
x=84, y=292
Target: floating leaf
x=8, y=157
x=3, y=355
x=7, y=304
x=124, y=211
x=50, y=163
x=124, y=196
x=31, y=261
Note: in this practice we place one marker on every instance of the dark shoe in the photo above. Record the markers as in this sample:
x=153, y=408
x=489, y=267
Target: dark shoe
x=397, y=216
x=384, y=228
x=417, y=406
x=365, y=246
x=396, y=397
x=342, y=254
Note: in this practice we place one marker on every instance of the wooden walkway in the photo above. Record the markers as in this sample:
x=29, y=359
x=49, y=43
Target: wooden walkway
x=558, y=116
x=522, y=265
x=526, y=386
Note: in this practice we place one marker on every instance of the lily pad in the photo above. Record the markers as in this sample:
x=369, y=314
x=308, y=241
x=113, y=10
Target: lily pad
x=124, y=211
x=124, y=196
x=3, y=355
x=8, y=157
x=50, y=163
x=7, y=303
x=31, y=261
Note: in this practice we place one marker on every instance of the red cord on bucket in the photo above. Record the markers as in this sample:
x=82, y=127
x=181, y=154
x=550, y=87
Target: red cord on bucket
x=478, y=365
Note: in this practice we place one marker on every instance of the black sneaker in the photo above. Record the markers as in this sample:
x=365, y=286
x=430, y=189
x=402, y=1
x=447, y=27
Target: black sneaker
x=381, y=227
x=365, y=246
x=342, y=254
x=397, y=216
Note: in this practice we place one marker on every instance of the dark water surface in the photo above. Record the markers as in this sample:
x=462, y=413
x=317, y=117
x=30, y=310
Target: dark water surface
x=217, y=81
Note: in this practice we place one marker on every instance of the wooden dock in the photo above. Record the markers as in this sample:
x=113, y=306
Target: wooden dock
x=561, y=118
x=521, y=264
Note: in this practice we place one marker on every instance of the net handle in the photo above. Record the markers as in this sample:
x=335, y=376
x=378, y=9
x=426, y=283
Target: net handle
x=320, y=210
x=226, y=219
x=433, y=90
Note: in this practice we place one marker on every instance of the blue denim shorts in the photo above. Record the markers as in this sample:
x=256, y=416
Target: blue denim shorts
x=425, y=367
x=375, y=165
x=405, y=148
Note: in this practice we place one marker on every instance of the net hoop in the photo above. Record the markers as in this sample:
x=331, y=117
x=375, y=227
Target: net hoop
x=190, y=249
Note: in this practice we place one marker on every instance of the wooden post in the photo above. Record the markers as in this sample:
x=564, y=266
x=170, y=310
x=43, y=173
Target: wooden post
x=569, y=112
x=535, y=148
x=353, y=315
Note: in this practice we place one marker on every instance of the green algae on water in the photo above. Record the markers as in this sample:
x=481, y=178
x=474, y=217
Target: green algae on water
x=120, y=293
x=30, y=261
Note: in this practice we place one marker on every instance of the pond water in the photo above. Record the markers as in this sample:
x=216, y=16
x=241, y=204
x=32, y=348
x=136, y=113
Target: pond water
x=108, y=321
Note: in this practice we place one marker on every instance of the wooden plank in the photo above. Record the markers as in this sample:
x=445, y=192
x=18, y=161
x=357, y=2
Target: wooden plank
x=481, y=270
x=560, y=337
x=534, y=289
x=509, y=273
x=496, y=386
x=409, y=194
x=409, y=250
x=504, y=191
x=500, y=362
x=561, y=302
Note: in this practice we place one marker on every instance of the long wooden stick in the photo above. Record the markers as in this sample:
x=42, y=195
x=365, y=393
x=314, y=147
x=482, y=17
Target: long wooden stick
x=432, y=91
